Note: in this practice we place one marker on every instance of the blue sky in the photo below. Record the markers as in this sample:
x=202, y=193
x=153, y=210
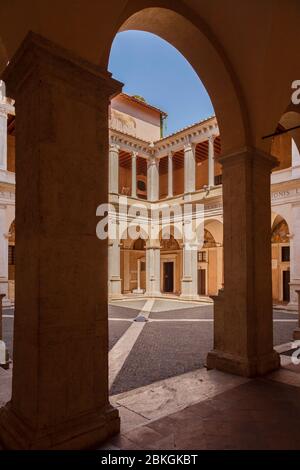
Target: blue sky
x=152, y=68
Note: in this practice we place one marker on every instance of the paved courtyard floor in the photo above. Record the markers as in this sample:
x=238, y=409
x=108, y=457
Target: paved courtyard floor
x=174, y=340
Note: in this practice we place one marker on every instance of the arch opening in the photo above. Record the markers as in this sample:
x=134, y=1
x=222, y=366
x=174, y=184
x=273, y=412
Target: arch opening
x=189, y=36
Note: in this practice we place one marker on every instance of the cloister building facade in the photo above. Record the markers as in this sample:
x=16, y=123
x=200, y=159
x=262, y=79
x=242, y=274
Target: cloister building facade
x=180, y=169
x=177, y=169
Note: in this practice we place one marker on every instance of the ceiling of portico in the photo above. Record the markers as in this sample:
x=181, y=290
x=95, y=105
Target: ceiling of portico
x=125, y=162
x=201, y=153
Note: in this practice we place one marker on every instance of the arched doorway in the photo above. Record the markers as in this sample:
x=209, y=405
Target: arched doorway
x=210, y=265
x=133, y=266
x=170, y=256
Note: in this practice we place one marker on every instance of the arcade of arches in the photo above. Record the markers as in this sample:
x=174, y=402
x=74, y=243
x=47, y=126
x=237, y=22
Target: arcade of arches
x=62, y=91
x=171, y=169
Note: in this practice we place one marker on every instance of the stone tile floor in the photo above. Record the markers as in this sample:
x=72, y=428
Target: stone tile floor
x=253, y=416
x=205, y=410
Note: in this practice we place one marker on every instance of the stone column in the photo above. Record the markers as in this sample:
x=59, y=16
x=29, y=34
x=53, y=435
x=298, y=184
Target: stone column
x=126, y=271
x=211, y=161
x=243, y=325
x=189, y=281
x=294, y=256
x=114, y=265
x=297, y=330
x=153, y=267
x=153, y=179
x=114, y=168
x=138, y=274
x=189, y=168
x=133, y=173
x=138, y=290
x=60, y=377
x=3, y=253
x=170, y=174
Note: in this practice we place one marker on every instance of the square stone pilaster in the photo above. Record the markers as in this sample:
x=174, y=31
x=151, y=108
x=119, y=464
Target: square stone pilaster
x=60, y=376
x=243, y=342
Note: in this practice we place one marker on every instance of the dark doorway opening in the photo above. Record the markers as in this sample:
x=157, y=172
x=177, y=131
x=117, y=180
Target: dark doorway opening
x=169, y=276
x=286, y=286
x=201, y=282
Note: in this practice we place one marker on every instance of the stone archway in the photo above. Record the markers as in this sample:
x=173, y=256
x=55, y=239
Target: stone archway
x=39, y=414
x=133, y=265
x=213, y=256
x=188, y=34
x=245, y=169
x=170, y=265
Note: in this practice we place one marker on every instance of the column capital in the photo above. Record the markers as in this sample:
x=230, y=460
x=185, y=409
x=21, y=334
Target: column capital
x=134, y=154
x=40, y=56
x=153, y=244
x=189, y=146
x=152, y=161
x=7, y=106
x=114, y=147
x=212, y=137
x=250, y=154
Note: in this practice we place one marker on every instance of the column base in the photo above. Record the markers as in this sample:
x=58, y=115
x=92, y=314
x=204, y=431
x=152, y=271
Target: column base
x=115, y=288
x=115, y=296
x=138, y=291
x=246, y=367
x=84, y=432
x=4, y=357
x=153, y=294
x=188, y=289
x=294, y=299
x=292, y=306
x=189, y=297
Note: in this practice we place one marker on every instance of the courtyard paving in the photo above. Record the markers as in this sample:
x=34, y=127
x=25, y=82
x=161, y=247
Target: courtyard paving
x=175, y=339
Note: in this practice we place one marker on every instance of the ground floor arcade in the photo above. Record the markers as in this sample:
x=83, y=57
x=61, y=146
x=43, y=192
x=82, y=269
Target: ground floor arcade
x=61, y=319
x=144, y=267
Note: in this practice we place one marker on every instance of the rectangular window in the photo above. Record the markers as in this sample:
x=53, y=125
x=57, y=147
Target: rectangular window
x=143, y=266
x=202, y=256
x=285, y=253
x=11, y=255
x=218, y=180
